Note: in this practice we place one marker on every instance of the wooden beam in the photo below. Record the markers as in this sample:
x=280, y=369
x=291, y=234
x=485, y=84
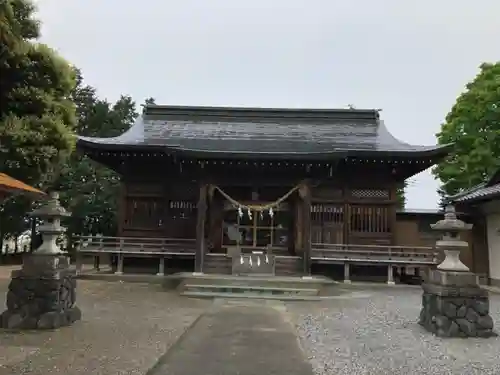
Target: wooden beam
x=305, y=194
x=392, y=213
x=261, y=181
x=200, y=229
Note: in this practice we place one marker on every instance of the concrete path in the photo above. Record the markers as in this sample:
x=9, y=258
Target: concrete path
x=237, y=338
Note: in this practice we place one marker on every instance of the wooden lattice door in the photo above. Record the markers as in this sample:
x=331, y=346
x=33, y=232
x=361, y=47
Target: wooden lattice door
x=327, y=223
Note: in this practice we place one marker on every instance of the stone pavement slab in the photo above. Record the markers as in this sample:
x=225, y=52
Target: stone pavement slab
x=237, y=338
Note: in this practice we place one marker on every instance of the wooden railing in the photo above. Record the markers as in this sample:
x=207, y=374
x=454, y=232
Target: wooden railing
x=162, y=248
x=133, y=247
x=94, y=245
x=372, y=254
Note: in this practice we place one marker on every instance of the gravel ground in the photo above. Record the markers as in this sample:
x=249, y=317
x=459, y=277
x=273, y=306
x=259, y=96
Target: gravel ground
x=125, y=328
x=367, y=330
x=376, y=332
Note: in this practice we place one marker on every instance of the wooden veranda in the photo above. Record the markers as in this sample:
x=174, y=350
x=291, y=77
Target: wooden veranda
x=164, y=250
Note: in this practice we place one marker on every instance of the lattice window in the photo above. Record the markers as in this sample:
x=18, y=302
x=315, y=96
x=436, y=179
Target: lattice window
x=327, y=223
x=369, y=219
x=370, y=193
x=327, y=212
x=182, y=209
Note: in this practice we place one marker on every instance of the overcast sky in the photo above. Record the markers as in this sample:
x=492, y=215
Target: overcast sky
x=410, y=58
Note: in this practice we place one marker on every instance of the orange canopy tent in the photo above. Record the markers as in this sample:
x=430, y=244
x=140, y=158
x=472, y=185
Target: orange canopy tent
x=9, y=185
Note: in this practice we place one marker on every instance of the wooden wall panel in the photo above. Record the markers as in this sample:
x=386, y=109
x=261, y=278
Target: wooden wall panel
x=479, y=242
x=142, y=209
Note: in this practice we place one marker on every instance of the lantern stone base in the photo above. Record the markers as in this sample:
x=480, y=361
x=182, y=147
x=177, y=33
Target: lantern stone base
x=453, y=305
x=42, y=295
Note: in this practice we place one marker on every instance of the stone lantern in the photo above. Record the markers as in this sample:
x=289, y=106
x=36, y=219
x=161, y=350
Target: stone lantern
x=50, y=214
x=451, y=227
x=453, y=303
x=42, y=294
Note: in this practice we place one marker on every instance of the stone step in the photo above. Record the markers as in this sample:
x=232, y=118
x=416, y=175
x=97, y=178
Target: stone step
x=268, y=281
x=282, y=297
x=255, y=289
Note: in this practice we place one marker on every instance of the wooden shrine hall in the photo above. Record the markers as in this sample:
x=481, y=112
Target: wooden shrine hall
x=213, y=185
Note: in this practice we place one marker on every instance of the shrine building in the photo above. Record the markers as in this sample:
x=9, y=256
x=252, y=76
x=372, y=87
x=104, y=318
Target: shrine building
x=307, y=185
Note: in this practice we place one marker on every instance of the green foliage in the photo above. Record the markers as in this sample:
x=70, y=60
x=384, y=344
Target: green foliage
x=400, y=193
x=473, y=124
x=90, y=191
x=16, y=23
x=36, y=116
x=148, y=101
x=442, y=199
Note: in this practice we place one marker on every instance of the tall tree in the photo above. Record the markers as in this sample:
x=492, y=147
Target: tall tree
x=36, y=114
x=473, y=124
x=89, y=190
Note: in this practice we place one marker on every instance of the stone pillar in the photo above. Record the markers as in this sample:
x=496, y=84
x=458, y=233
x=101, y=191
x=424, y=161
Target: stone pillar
x=453, y=303
x=119, y=265
x=161, y=267
x=390, y=275
x=42, y=294
x=347, y=273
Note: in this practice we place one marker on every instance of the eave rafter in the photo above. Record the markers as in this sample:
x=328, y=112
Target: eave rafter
x=400, y=167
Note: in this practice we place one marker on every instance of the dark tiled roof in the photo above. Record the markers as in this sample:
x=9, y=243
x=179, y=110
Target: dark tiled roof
x=420, y=211
x=253, y=131
x=479, y=192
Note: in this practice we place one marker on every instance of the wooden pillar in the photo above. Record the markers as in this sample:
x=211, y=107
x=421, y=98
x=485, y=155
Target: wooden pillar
x=167, y=211
x=393, y=214
x=122, y=207
x=305, y=194
x=200, y=229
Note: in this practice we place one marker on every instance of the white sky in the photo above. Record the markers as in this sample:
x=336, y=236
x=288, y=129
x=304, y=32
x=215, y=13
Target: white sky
x=410, y=58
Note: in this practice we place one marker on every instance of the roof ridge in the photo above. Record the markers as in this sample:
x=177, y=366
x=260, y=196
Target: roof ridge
x=257, y=112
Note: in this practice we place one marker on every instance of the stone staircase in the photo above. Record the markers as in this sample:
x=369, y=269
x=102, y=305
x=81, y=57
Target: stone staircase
x=257, y=286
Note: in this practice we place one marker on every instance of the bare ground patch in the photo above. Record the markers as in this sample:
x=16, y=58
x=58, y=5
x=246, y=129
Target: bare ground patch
x=125, y=328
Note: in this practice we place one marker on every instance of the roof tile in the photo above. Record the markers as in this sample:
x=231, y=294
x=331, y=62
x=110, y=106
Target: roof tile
x=479, y=193
x=260, y=131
